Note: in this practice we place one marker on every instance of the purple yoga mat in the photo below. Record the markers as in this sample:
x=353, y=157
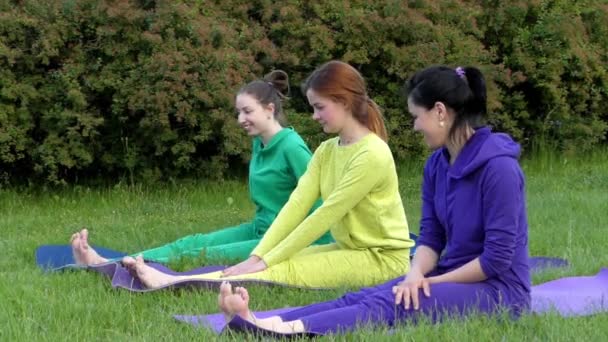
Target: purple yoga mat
x=217, y=322
x=541, y=263
x=570, y=296
x=108, y=269
x=123, y=279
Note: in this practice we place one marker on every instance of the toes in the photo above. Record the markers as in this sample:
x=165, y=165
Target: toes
x=75, y=243
x=84, y=237
x=226, y=288
x=244, y=293
x=225, y=291
x=139, y=265
x=128, y=261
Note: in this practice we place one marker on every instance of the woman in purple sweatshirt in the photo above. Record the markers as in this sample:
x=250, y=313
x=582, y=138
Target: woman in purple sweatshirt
x=472, y=252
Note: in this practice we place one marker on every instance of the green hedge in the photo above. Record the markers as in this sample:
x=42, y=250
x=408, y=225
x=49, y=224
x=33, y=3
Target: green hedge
x=144, y=89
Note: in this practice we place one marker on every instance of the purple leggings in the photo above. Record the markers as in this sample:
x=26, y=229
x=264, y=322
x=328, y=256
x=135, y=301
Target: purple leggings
x=376, y=306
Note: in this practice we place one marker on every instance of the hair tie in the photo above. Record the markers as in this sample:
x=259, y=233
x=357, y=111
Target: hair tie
x=460, y=72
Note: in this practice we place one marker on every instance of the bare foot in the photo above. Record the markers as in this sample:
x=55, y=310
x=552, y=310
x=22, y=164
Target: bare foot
x=83, y=253
x=237, y=303
x=225, y=291
x=234, y=303
x=150, y=277
x=129, y=262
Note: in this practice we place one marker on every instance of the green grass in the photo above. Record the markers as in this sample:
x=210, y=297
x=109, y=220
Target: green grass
x=567, y=207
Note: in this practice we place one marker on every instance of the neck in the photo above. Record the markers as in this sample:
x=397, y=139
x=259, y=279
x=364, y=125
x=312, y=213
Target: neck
x=456, y=144
x=274, y=128
x=352, y=132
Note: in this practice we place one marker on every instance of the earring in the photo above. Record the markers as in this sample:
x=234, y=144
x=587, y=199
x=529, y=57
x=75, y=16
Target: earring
x=441, y=124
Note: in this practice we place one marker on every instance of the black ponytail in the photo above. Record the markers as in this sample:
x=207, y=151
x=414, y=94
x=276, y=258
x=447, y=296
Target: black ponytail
x=477, y=84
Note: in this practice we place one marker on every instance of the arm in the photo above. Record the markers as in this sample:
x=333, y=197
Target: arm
x=502, y=195
x=298, y=159
x=470, y=272
x=360, y=178
x=431, y=243
x=424, y=261
x=432, y=232
x=295, y=210
x=406, y=291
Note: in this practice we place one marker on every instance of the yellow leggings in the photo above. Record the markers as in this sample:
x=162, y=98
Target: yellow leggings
x=328, y=266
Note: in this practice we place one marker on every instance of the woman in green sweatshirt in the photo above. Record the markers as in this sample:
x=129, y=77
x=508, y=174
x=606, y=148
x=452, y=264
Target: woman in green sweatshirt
x=355, y=175
x=279, y=158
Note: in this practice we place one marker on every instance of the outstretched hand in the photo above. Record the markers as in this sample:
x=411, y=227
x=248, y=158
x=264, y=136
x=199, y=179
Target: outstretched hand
x=407, y=291
x=252, y=265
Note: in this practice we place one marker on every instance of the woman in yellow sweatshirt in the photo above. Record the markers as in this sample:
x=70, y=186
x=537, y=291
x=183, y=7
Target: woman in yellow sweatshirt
x=354, y=173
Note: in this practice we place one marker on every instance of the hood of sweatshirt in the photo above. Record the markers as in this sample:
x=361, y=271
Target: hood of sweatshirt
x=479, y=149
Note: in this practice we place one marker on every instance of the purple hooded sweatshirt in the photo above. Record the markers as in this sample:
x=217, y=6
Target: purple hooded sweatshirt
x=476, y=208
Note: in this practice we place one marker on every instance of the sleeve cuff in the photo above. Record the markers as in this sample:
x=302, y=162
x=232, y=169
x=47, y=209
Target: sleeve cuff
x=486, y=268
x=258, y=253
x=271, y=259
x=434, y=246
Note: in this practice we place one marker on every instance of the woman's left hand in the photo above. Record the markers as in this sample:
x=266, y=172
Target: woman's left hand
x=406, y=291
x=252, y=268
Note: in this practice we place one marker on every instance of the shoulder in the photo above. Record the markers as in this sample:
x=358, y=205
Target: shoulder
x=502, y=174
x=327, y=145
x=293, y=142
x=503, y=167
x=376, y=143
x=293, y=137
x=376, y=150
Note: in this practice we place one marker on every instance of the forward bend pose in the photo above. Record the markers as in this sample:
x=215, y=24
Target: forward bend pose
x=472, y=251
x=355, y=175
x=279, y=158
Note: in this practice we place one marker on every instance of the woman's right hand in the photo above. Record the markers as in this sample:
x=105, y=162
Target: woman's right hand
x=240, y=267
x=407, y=290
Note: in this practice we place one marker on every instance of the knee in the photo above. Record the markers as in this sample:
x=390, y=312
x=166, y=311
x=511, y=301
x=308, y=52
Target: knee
x=378, y=307
x=350, y=298
x=381, y=301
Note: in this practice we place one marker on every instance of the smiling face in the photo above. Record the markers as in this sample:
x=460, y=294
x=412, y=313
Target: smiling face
x=254, y=117
x=432, y=123
x=330, y=114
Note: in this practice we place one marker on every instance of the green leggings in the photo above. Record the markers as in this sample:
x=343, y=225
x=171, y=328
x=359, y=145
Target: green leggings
x=234, y=243
x=228, y=244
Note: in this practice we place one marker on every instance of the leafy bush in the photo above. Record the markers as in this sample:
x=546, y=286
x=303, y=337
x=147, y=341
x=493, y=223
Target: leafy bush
x=144, y=89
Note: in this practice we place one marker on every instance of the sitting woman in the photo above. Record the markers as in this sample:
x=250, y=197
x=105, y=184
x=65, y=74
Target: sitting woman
x=472, y=251
x=355, y=175
x=279, y=158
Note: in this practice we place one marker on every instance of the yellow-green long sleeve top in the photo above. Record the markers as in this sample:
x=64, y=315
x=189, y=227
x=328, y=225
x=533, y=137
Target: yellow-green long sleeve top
x=361, y=203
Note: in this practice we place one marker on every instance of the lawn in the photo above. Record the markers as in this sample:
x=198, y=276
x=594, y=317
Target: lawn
x=568, y=215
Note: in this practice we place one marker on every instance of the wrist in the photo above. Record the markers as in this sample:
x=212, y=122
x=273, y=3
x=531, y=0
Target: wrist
x=415, y=270
x=435, y=279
